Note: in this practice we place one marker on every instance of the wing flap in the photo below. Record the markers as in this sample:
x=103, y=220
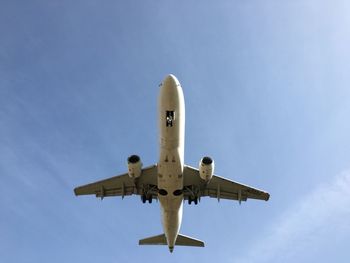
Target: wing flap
x=224, y=195
x=110, y=186
x=235, y=190
x=219, y=187
x=122, y=185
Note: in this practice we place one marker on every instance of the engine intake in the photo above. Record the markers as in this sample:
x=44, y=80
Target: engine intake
x=206, y=168
x=134, y=166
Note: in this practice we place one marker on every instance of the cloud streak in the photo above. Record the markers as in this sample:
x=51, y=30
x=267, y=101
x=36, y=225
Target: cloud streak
x=322, y=214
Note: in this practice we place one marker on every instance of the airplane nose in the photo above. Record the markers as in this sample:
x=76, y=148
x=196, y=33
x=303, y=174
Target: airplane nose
x=170, y=80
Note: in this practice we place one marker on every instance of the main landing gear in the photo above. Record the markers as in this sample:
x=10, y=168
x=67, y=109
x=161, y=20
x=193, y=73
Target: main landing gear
x=145, y=198
x=192, y=199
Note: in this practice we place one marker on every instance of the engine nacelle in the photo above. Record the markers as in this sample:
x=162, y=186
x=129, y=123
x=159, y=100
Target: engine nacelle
x=206, y=168
x=134, y=166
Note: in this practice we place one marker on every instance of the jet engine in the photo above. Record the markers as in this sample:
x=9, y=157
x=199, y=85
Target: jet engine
x=134, y=166
x=206, y=168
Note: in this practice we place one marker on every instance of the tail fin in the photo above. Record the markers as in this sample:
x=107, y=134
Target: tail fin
x=181, y=240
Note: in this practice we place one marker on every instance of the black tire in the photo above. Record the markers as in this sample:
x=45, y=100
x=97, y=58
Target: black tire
x=150, y=199
x=196, y=201
x=143, y=198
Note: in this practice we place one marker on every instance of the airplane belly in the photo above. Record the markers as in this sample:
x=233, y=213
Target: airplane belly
x=171, y=218
x=171, y=159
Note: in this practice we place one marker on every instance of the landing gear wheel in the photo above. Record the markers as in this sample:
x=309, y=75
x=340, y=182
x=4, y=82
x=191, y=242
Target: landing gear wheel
x=143, y=198
x=192, y=199
x=150, y=199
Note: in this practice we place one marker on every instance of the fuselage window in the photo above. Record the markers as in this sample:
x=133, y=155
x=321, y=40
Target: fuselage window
x=170, y=117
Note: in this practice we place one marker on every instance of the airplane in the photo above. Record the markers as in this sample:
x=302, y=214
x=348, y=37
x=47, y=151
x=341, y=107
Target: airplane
x=171, y=181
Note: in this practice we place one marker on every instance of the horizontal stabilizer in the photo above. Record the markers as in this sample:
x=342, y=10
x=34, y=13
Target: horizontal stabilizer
x=155, y=240
x=181, y=240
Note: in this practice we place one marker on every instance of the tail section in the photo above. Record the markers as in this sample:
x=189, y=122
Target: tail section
x=155, y=240
x=181, y=240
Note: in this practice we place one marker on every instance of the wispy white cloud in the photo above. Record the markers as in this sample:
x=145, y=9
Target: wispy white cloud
x=320, y=216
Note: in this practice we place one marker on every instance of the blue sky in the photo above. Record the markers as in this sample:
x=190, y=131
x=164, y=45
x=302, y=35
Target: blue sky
x=267, y=94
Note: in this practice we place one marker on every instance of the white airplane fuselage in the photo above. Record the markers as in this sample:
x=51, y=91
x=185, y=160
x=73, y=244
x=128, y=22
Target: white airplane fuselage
x=171, y=159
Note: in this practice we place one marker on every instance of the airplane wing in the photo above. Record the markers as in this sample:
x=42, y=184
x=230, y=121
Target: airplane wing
x=218, y=187
x=123, y=185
